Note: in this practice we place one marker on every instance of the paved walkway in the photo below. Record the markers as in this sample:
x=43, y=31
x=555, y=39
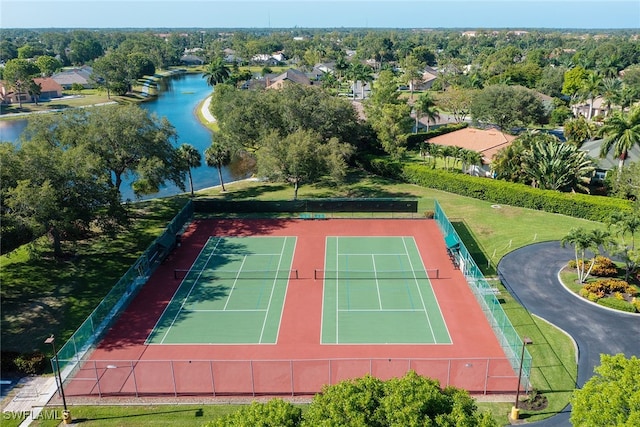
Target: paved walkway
x=206, y=113
x=530, y=274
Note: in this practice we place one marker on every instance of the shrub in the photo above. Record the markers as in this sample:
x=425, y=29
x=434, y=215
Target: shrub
x=594, y=208
x=609, y=287
x=30, y=363
x=604, y=267
x=572, y=264
x=617, y=304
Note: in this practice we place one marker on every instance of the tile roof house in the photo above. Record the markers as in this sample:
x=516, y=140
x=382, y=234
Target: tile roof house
x=49, y=88
x=487, y=142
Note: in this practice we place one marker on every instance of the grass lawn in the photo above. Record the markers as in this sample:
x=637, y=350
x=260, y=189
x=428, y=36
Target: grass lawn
x=60, y=294
x=151, y=415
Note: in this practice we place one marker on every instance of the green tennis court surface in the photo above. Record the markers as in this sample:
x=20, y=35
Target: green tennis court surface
x=377, y=291
x=232, y=294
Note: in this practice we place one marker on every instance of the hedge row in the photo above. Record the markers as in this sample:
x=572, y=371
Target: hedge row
x=594, y=208
x=414, y=139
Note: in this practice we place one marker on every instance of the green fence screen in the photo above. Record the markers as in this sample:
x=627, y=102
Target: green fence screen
x=121, y=294
x=485, y=294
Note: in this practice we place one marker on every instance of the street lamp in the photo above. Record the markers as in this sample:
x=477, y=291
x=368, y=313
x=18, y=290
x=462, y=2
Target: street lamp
x=515, y=412
x=66, y=415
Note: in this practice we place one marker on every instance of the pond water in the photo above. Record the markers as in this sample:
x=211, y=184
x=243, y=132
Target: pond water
x=179, y=97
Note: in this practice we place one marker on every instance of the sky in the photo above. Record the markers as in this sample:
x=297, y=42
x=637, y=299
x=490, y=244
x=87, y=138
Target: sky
x=576, y=14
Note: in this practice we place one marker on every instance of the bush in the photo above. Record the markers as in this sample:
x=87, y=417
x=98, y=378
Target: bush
x=594, y=208
x=617, y=304
x=603, y=267
x=30, y=363
x=414, y=139
x=609, y=287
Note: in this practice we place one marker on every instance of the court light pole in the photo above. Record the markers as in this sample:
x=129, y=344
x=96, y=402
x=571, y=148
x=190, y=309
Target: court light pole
x=515, y=412
x=66, y=415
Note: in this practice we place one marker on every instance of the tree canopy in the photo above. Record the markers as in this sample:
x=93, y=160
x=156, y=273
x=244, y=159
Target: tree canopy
x=507, y=107
x=611, y=397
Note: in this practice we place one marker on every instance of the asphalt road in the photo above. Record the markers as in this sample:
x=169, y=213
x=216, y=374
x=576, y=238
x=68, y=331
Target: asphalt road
x=530, y=274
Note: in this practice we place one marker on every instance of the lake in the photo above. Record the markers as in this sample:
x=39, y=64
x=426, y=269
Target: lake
x=179, y=97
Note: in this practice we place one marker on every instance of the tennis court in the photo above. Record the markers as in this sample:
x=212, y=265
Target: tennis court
x=377, y=291
x=233, y=293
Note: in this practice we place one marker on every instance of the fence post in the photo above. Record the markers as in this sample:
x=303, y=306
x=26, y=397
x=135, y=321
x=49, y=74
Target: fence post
x=291, y=371
x=173, y=376
x=133, y=374
x=253, y=386
x=95, y=370
x=213, y=383
x=486, y=377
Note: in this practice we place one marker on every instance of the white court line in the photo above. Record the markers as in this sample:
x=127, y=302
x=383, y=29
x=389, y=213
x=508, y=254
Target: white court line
x=387, y=310
x=273, y=287
x=234, y=283
x=199, y=310
x=337, y=292
x=375, y=273
x=195, y=282
x=419, y=290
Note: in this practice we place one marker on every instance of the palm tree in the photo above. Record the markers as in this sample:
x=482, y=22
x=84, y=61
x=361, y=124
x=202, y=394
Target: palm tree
x=216, y=72
x=426, y=107
x=583, y=240
x=470, y=158
x=591, y=88
x=610, y=90
x=626, y=223
x=552, y=165
x=622, y=132
x=359, y=72
x=192, y=159
x=218, y=155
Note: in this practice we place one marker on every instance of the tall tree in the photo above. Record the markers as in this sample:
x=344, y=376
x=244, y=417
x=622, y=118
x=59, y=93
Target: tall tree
x=626, y=225
x=216, y=72
x=302, y=156
x=131, y=142
x=611, y=397
x=412, y=69
x=192, y=159
x=425, y=107
x=621, y=132
x=19, y=73
x=583, y=241
x=217, y=155
x=359, y=72
x=591, y=88
x=507, y=106
x=60, y=190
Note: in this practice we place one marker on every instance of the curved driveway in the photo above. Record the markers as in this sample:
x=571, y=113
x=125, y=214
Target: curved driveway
x=530, y=275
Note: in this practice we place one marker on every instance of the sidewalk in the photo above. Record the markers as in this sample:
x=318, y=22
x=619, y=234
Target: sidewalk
x=30, y=395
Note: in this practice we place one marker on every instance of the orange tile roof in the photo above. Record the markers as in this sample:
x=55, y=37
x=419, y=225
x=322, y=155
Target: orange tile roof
x=486, y=142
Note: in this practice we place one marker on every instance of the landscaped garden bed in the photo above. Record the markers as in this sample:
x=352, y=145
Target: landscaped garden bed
x=605, y=285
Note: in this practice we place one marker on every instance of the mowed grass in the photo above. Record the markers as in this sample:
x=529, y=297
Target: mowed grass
x=148, y=415
x=60, y=294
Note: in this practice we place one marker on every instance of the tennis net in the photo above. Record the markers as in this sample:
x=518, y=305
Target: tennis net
x=237, y=275
x=376, y=274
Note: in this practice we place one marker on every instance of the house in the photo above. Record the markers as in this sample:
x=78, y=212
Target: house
x=81, y=75
x=291, y=75
x=191, y=60
x=8, y=96
x=604, y=165
x=599, y=108
x=487, y=142
x=49, y=88
x=429, y=75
